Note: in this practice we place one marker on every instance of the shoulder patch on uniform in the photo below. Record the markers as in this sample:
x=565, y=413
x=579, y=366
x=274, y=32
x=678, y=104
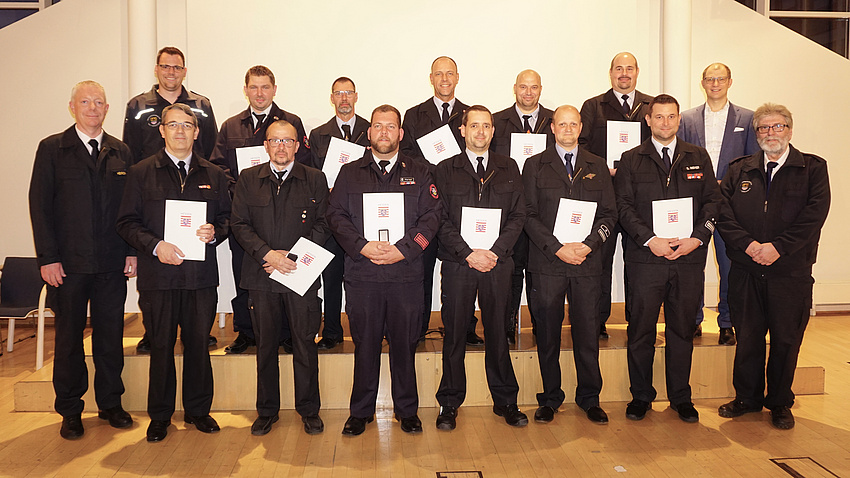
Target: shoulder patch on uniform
x=154, y=121
x=746, y=186
x=421, y=240
x=433, y=190
x=306, y=142
x=710, y=226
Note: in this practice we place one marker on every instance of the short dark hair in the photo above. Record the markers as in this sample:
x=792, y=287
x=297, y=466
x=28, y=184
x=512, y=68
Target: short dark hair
x=170, y=50
x=343, y=79
x=480, y=108
x=259, y=70
x=182, y=107
x=663, y=99
x=283, y=124
x=386, y=109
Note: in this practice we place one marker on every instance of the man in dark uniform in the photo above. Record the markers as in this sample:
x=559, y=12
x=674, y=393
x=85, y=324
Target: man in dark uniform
x=347, y=126
x=478, y=179
x=777, y=201
x=274, y=205
x=77, y=182
x=172, y=291
x=664, y=270
x=570, y=269
x=243, y=130
x=527, y=115
x=441, y=109
x=623, y=102
x=383, y=280
x=144, y=116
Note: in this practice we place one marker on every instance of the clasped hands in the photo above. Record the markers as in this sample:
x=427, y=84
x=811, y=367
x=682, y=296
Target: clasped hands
x=381, y=253
x=763, y=254
x=663, y=247
x=573, y=252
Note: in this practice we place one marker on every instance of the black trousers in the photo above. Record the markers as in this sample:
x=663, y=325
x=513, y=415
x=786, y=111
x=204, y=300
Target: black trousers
x=106, y=292
x=460, y=285
x=758, y=305
x=520, y=258
x=241, y=314
x=332, y=289
x=678, y=286
x=546, y=298
x=375, y=310
x=194, y=312
x=429, y=261
x=306, y=314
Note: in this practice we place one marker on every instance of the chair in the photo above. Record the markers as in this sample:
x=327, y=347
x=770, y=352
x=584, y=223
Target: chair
x=23, y=295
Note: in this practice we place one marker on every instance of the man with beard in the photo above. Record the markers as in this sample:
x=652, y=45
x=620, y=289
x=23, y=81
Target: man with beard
x=777, y=201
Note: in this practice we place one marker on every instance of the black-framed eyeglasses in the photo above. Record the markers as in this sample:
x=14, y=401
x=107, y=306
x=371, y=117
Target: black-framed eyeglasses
x=777, y=128
x=176, y=68
x=277, y=142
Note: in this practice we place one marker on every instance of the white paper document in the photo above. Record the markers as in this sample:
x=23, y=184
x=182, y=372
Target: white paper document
x=312, y=260
x=673, y=218
x=250, y=156
x=340, y=152
x=383, y=216
x=182, y=220
x=622, y=136
x=574, y=220
x=439, y=144
x=525, y=145
x=479, y=226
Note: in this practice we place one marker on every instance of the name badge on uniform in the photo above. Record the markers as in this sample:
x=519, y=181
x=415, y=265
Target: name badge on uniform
x=407, y=181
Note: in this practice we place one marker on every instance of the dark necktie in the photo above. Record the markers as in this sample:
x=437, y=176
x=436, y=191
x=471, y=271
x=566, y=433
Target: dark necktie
x=665, y=156
x=626, y=109
x=771, y=165
x=346, y=132
x=480, y=169
x=181, y=165
x=260, y=119
x=445, y=113
x=280, y=175
x=383, y=164
x=526, y=126
x=94, y=151
x=568, y=158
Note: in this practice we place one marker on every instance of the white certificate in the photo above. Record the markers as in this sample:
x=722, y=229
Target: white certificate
x=182, y=220
x=250, y=156
x=479, y=226
x=312, y=260
x=439, y=144
x=340, y=152
x=383, y=216
x=574, y=220
x=525, y=145
x=673, y=218
x=622, y=136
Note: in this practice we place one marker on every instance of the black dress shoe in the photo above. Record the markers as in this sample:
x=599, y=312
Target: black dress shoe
x=687, y=412
x=603, y=332
x=206, y=423
x=240, y=345
x=636, y=409
x=144, y=345
x=211, y=341
x=545, y=414
x=447, y=419
x=473, y=339
x=410, y=424
x=72, y=427
x=313, y=424
x=157, y=430
x=736, y=408
x=781, y=418
x=513, y=416
x=287, y=345
x=698, y=331
x=355, y=426
x=327, y=343
x=262, y=425
x=117, y=417
x=596, y=415
x=727, y=336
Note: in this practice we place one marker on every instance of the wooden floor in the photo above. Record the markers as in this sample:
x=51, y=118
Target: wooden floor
x=659, y=446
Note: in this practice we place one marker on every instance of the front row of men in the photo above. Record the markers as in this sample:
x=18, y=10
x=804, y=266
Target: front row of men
x=770, y=208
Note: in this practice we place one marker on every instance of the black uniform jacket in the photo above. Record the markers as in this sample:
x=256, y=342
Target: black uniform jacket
x=423, y=119
x=238, y=132
x=641, y=179
x=597, y=111
x=546, y=182
x=320, y=138
x=790, y=217
x=74, y=203
x=460, y=186
x=507, y=121
x=267, y=217
x=144, y=115
x=421, y=216
x=141, y=219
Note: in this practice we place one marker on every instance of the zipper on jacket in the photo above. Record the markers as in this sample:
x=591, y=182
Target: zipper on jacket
x=678, y=157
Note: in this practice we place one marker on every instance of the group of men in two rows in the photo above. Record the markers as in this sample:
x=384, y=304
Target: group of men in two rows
x=769, y=207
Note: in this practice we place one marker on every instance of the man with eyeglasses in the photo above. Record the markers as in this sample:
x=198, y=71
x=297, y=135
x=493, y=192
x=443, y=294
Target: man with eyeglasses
x=246, y=130
x=174, y=291
x=274, y=205
x=347, y=126
x=777, y=201
x=726, y=132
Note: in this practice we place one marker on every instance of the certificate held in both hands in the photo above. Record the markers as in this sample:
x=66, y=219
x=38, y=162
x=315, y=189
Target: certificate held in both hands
x=182, y=220
x=574, y=220
x=622, y=136
x=526, y=145
x=383, y=216
x=250, y=156
x=479, y=226
x=311, y=260
x=438, y=144
x=340, y=152
x=673, y=218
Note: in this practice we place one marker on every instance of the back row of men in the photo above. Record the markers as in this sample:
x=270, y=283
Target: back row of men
x=84, y=179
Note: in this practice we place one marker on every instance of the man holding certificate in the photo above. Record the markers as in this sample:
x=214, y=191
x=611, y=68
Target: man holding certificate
x=483, y=214
x=175, y=210
x=384, y=210
x=668, y=200
x=571, y=212
x=275, y=204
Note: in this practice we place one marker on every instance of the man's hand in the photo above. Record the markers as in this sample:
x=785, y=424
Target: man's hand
x=53, y=273
x=168, y=253
x=685, y=247
x=381, y=253
x=206, y=233
x=482, y=260
x=277, y=260
x=131, y=266
x=661, y=246
x=573, y=252
x=763, y=254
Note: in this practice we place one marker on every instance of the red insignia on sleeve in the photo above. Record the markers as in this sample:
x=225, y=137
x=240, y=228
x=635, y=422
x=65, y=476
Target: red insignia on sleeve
x=433, y=190
x=420, y=239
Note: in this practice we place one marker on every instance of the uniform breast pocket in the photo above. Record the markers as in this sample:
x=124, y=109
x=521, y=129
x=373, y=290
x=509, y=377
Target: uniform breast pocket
x=154, y=194
x=592, y=189
x=69, y=174
x=549, y=183
x=793, y=201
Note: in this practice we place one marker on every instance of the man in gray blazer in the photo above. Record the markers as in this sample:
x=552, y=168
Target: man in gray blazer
x=726, y=132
